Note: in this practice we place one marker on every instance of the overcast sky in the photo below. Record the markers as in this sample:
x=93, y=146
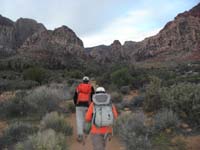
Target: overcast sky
x=99, y=21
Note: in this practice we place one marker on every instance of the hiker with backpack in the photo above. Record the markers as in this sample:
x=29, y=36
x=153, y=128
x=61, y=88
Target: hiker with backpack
x=82, y=99
x=101, y=114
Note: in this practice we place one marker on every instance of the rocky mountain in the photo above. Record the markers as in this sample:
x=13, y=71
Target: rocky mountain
x=179, y=40
x=13, y=34
x=107, y=54
x=29, y=41
x=57, y=48
x=24, y=28
x=26, y=39
x=7, y=38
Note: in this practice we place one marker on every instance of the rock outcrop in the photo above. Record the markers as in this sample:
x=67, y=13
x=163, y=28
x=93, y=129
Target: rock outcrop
x=7, y=38
x=54, y=48
x=24, y=28
x=107, y=54
x=179, y=40
x=13, y=34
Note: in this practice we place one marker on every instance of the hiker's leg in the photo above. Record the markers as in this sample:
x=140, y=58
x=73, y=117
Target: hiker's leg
x=98, y=142
x=84, y=110
x=79, y=121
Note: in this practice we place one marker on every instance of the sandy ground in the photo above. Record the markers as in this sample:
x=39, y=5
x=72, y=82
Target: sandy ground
x=193, y=143
x=114, y=144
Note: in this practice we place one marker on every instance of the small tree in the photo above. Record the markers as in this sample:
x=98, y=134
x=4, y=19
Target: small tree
x=36, y=74
x=152, y=98
x=121, y=77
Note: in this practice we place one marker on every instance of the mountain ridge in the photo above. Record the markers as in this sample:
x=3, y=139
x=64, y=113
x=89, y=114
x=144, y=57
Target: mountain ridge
x=179, y=40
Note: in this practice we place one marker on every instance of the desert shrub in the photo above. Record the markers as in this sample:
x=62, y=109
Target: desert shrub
x=136, y=101
x=164, y=141
x=38, y=102
x=166, y=119
x=125, y=89
x=70, y=107
x=36, y=74
x=45, y=140
x=44, y=99
x=62, y=90
x=56, y=122
x=133, y=132
x=16, y=132
x=74, y=74
x=116, y=97
x=7, y=85
x=161, y=142
x=16, y=106
x=121, y=77
x=152, y=96
x=104, y=79
x=183, y=98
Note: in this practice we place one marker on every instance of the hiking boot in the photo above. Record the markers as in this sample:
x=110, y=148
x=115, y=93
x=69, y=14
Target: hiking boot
x=80, y=138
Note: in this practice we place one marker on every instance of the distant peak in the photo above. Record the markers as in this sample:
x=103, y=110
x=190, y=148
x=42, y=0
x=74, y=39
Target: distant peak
x=63, y=28
x=116, y=43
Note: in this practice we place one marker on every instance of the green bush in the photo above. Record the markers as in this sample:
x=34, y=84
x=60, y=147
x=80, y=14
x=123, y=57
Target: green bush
x=133, y=132
x=152, y=96
x=56, y=122
x=165, y=119
x=16, y=132
x=74, y=74
x=121, y=77
x=183, y=98
x=38, y=74
x=45, y=140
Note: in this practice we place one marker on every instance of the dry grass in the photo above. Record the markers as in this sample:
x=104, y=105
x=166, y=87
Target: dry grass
x=6, y=95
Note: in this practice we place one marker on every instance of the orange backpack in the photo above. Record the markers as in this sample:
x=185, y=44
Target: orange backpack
x=84, y=91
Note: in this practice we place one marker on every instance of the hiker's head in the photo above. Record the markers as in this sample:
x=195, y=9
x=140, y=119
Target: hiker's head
x=86, y=79
x=100, y=90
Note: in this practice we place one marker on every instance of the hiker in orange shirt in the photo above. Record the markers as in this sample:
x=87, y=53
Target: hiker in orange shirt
x=82, y=99
x=101, y=113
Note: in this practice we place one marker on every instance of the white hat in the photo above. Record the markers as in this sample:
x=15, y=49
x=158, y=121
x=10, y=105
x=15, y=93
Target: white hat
x=100, y=89
x=85, y=78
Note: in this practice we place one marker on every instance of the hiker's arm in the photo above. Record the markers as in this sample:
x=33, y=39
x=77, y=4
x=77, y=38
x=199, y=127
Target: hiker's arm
x=75, y=97
x=88, y=116
x=114, y=111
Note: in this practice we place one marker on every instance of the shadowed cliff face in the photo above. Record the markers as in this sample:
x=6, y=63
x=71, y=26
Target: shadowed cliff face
x=7, y=39
x=55, y=48
x=13, y=34
x=25, y=28
x=179, y=40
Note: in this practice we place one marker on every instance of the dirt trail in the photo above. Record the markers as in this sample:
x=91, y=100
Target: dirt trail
x=114, y=144
x=193, y=142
